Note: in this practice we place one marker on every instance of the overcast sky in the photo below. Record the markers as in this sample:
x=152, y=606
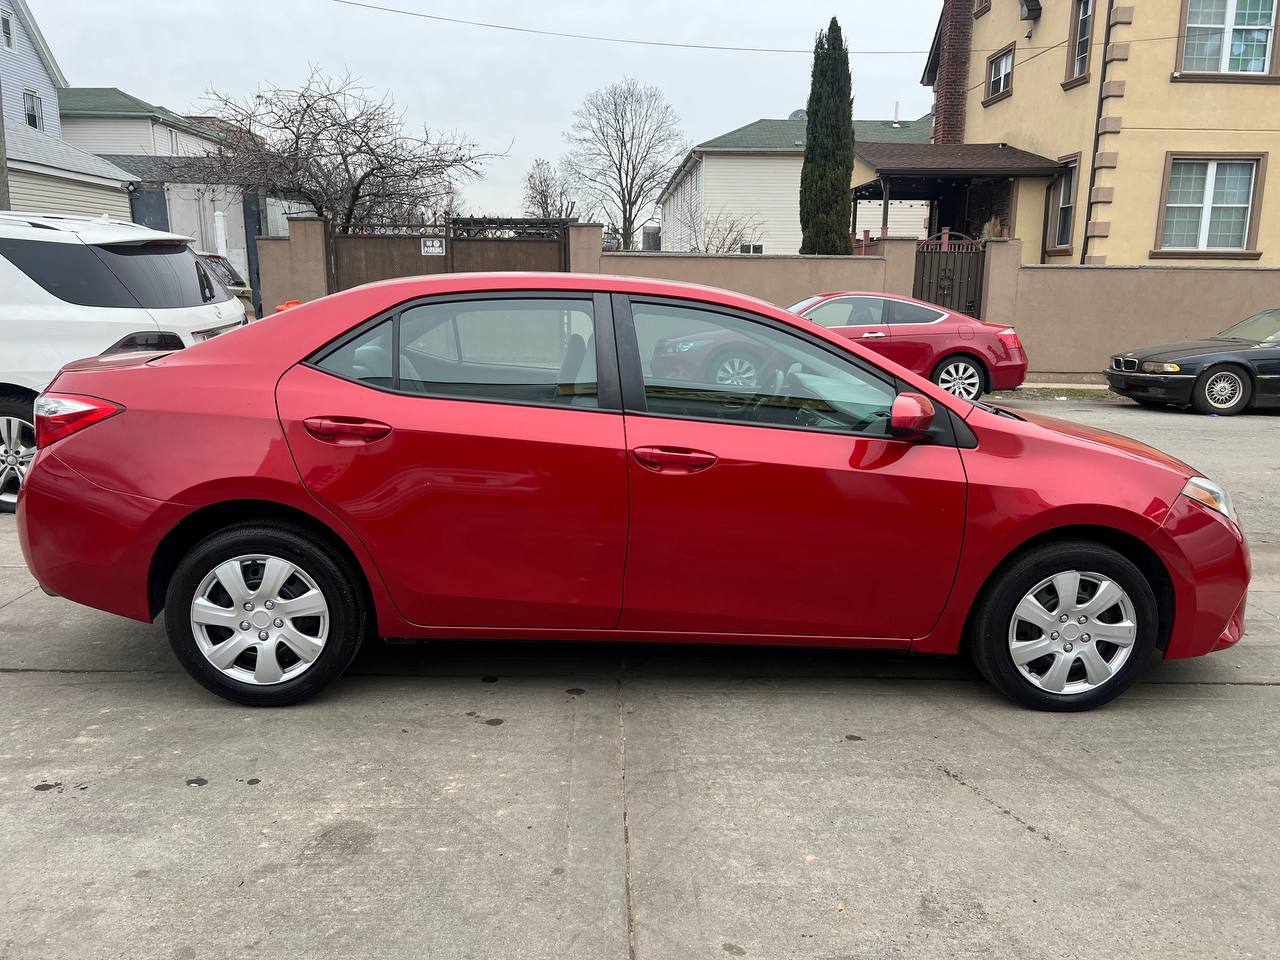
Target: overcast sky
x=507, y=91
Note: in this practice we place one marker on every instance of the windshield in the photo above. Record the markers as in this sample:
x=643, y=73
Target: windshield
x=800, y=306
x=1264, y=327
x=221, y=268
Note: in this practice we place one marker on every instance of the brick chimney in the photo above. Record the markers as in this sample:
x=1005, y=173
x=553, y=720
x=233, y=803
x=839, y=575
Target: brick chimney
x=955, y=32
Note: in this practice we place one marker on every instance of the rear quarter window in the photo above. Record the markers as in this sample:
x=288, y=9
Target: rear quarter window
x=69, y=271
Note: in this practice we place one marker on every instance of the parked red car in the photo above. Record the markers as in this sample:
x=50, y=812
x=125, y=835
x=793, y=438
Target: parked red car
x=496, y=456
x=962, y=355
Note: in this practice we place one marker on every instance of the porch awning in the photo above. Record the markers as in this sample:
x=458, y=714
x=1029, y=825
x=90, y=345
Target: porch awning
x=922, y=171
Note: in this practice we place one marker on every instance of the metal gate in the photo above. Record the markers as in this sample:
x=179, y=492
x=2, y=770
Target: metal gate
x=949, y=271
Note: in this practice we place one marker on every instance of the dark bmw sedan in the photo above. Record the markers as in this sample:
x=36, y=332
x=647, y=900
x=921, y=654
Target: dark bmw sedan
x=1233, y=371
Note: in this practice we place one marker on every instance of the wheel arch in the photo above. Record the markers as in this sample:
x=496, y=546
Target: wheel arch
x=958, y=354
x=1131, y=547
x=206, y=520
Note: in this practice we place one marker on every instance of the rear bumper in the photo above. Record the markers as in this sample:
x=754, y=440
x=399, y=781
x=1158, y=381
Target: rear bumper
x=1009, y=375
x=1208, y=561
x=89, y=544
x=1156, y=387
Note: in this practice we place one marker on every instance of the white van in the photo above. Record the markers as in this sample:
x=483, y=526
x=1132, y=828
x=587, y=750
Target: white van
x=74, y=286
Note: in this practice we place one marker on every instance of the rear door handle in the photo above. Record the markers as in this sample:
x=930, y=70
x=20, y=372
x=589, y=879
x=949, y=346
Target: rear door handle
x=346, y=430
x=675, y=460
x=873, y=334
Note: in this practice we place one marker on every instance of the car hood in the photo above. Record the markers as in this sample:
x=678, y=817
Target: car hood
x=1184, y=350
x=1112, y=441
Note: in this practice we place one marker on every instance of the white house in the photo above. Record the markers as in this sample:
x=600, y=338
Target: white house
x=750, y=178
x=46, y=173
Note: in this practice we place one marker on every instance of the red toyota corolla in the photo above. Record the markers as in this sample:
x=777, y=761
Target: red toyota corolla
x=515, y=455
x=962, y=355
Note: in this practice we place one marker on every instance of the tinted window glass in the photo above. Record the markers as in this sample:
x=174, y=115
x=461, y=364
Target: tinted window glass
x=849, y=312
x=366, y=359
x=221, y=268
x=904, y=312
x=712, y=366
x=162, y=275
x=518, y=350
x=69, y=271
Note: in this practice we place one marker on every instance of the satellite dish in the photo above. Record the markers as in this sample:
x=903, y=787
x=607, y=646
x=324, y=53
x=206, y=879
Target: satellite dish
x=798, y=115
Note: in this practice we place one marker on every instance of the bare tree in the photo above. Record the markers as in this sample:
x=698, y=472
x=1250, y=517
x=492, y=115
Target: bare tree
x=345, y=152
x=711, y=231
x=546, y=192
x=625, y=143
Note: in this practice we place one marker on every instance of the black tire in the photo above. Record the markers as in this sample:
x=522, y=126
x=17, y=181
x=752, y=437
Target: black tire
x=984, y=381
x=13, y=407
x=993, y=616
x=1223, y=372
x=348, y=616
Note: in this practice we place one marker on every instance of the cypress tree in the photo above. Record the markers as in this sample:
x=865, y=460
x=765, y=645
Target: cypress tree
x=825, y=179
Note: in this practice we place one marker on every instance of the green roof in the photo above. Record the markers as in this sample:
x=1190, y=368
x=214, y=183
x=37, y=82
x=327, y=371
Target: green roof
x=789, y=134
x=114, y=102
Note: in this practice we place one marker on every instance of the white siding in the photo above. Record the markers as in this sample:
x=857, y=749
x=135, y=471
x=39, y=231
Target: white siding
x=191, y=209
x=22, y=70
x=763, y=187
x=33, y=192
x=189, y=145
x=907, y=218
x=109, y=134
x=682, y=204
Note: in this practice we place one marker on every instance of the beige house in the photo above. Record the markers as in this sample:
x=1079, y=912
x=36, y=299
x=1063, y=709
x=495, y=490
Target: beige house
x=1161, y=114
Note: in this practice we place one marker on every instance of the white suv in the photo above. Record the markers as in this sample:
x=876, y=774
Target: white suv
x=73, y=287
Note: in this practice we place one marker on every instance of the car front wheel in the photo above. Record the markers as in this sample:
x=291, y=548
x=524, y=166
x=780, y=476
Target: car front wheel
x=264, y=615
x=1066, y=626
x=1222, y=390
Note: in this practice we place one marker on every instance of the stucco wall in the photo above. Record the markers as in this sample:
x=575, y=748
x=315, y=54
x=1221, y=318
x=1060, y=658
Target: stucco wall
x=294, y=267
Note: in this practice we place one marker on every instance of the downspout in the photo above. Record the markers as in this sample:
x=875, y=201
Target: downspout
x=1044, y=224
x=1097, y=135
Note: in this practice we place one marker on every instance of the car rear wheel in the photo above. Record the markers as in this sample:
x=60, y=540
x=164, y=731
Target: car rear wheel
x=1223, y=390
x=961, y=376
x=264, y=615
x=735, y=370
x=1066, y=626
x=17, y=448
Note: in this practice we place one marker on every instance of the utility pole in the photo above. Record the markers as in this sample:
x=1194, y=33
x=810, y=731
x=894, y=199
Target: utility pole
x=4, y=161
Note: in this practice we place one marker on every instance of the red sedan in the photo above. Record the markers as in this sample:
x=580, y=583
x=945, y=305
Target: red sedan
x=964, y=356
x=497, y=456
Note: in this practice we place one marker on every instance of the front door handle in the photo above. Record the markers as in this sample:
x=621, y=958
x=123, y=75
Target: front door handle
x=346, y=430
x=675, y=460
x=871, y=335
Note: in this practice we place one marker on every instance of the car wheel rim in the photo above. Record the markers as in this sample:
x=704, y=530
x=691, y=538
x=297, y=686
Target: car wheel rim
x=260, y=619
x=1072, y=632
x=17, y=450
x=737, y=372
x=1223, y=390
x=960, y=378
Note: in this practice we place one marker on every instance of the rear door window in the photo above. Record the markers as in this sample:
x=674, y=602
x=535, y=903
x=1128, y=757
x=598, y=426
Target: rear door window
x=903, y=311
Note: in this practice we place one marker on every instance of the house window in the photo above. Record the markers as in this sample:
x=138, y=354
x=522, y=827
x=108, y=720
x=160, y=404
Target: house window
x=1208, y=204
x=1000, y=75
x=1064, y=203
x=6, y=31
x=751, y=248
x=173, y=142
x=34, y=110
x=1228, y=36
x=1081, y=33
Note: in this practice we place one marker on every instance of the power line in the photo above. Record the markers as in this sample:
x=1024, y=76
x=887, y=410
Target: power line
x=511, y=28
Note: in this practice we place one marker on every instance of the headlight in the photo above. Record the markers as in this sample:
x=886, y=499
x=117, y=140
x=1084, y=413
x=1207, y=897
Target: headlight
x=684, y=346
x=1207, y=492
x=1150, y=367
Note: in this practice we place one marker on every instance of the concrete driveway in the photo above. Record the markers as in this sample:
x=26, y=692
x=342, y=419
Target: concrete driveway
x=607, y=803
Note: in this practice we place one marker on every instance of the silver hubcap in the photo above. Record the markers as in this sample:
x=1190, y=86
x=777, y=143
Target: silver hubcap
x=737, y=372
x=260, y=619
x=960, y=378
x=1072, y=632
x=17, y=450
x=1223, y=389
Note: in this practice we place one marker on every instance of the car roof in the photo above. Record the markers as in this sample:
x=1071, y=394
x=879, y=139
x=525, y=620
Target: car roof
x=103, y=229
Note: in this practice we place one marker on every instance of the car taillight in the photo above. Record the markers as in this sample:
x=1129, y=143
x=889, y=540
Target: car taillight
x=59, y=415
x=1009, y=339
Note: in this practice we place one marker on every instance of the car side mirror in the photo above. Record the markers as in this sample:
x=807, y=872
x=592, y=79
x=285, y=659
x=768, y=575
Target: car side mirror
x=911, y=416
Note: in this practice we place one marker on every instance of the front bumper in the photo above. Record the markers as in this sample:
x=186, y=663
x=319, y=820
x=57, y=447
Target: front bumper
x=1207, y=558
x=1156, y=387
